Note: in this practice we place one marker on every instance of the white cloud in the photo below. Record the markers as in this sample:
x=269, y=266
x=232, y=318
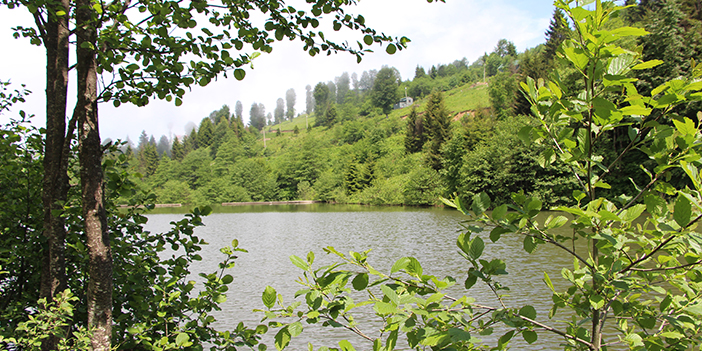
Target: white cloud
x=440, y=33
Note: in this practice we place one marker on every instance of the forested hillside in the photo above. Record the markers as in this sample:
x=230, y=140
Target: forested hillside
x=347, y=144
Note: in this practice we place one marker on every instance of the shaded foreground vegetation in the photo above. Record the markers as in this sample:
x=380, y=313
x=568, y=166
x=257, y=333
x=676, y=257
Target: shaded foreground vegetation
x=620, y=156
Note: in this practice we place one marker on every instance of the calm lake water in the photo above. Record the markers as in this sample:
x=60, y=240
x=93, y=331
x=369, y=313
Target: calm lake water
x=272, y=233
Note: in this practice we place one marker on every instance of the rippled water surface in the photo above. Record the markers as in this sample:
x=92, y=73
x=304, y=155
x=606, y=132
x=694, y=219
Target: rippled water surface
x=272, y=233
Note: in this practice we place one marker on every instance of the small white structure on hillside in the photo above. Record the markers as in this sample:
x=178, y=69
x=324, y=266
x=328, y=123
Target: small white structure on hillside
x=404, y=102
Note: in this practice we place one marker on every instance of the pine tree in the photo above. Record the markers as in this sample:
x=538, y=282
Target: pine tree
x=148, y=159
x=290, y=99
x=321, y=99
x=439, y=125
x=205, y=134
x=414, y=136
x=675, y=39
x=177, y=150
x=279, y=112
x=557, y=33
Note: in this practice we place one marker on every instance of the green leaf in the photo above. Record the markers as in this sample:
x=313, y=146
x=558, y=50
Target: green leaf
x=528, y=311
x=655, y=205
x=368, y=39
x=648, y=64
x=302, y=264
x=636, y=110
x=481, y=202
x=548, y=282
x=282, y=339
x=239, y=74
x=182, y=338
x=682, y=211
x=269, y=296
x=295, y=329
x=476, y=248
x=414, y=267
x=686, y=127
x=384, y=308
x=499, y=212
x=227, y=279
x=346, y=346
x=400, y=264
x=470, y=281
x=497, y=232
x=530, y=336
x=504, y=339
x=360, y=282
x=597, y=302
x=391, y=49
x=529, y=244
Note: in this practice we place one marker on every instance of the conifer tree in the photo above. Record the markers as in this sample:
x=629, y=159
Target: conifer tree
x=279, y=112
x=309, y=100
x=321, y=99
x=290, y=99
x=556, y=34
x=414, y=136
x=675, y=39
x=205, y=134
x=177, y=150
x=148, y=159
x=439, y=125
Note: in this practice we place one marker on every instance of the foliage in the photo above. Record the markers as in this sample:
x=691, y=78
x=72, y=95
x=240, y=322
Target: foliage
x=415, y=136
x=20, y=221
x=638, y=273
x=51, y=320
x=439, y=126
x=385, y=89
x=503, y=91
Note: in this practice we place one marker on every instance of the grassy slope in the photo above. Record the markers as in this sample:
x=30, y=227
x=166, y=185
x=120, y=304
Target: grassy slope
x=463, y=98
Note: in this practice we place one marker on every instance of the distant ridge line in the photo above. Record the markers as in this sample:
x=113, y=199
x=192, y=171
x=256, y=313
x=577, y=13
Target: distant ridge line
x=296, y=202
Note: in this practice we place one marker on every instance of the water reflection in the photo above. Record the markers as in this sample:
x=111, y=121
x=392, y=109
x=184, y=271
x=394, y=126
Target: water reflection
x=272, y=233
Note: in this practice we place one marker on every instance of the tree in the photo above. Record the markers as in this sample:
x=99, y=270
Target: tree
x=257, y=116
x=205, y=134
x=279, y=112
x=414, y=136
x=503, y=92
x=321, y=99
x=505, y=48
x=439, y=125
x=219, y=115
x=343, y=85
x=639, y=269
x=177, y=150
x=329, y=117
x=163, y=146
x=143, y=55
x=675, y=39
x=557, y=32
x=419, y=72
x=290, y=99
x=309, y=100
x=239, y=110
x=385, y=89
x=143, y=140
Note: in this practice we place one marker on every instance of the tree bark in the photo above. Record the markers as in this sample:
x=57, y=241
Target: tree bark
x=99, y=292
x=55, y=183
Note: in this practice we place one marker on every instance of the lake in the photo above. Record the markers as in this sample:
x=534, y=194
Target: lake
x=272, y=233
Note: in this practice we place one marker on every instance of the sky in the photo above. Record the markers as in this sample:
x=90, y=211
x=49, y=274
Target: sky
x=440, y=34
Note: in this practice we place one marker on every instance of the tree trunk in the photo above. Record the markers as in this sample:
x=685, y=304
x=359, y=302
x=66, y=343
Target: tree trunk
x=99, y=293
x=55, y=183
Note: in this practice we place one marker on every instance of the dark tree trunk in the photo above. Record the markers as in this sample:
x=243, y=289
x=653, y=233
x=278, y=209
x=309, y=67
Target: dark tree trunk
x=90, y=157
x=55, y=184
